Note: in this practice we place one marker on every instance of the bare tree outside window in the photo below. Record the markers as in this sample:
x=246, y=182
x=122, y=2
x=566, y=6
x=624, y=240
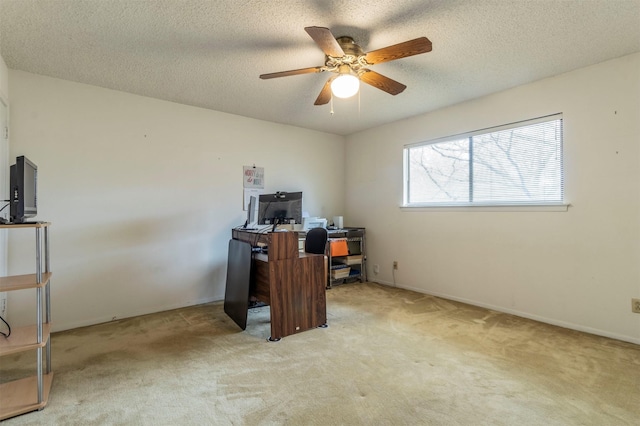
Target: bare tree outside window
x=520, y=164
x=440, y=172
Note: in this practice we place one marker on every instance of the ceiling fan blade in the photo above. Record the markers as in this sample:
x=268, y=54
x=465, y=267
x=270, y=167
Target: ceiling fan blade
x=326, y=41
x=381, y=82
x=325, y=94
x=291, y=72
x=400, y=50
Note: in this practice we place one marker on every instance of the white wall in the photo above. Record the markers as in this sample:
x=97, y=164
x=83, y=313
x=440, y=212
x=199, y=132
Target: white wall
x=4, y=79
x=143, y=194
x=577, y=269
x=4, y=173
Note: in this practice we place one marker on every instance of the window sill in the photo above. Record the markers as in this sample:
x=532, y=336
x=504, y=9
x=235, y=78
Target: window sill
x=486, y=208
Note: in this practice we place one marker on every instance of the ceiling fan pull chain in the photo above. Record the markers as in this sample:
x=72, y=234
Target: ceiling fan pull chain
x=331, y=105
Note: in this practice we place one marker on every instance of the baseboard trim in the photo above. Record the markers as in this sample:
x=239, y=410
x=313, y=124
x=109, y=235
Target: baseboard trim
x=551, y=321
x=119, y=316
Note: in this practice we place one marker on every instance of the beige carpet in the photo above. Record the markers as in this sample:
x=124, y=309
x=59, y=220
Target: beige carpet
x=389, y=357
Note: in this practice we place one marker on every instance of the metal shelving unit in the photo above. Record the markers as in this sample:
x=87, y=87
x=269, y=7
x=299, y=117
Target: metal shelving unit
x=30, y=393
x=356, y=260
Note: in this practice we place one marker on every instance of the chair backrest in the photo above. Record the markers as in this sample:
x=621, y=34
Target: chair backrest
x=316, y=241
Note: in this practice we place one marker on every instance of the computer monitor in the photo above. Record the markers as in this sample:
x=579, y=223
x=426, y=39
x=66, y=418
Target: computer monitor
x=281, y=207
x=23, y=190
x=251, y=213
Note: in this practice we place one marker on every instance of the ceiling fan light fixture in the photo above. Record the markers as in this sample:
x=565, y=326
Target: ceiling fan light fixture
x=345, y=86
x=344, y=57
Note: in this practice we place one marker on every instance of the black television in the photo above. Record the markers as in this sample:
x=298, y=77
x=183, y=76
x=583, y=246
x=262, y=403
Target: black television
x=23, y=190
x=281, y=208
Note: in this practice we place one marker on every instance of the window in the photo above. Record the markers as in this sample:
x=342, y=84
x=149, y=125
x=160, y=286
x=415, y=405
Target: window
x=519, y=163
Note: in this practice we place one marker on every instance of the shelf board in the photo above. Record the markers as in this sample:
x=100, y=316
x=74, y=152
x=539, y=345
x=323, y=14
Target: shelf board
x=21, y=396
x=20, y=282
x=348, y=262
x=24, y=339
x=24, y=225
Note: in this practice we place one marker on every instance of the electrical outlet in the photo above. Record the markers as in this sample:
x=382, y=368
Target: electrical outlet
x=376, y=269
x=395, y=264
x=635, y=306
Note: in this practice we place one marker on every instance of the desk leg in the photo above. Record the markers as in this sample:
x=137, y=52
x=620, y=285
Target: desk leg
x=276, y=307
x=297, y=295
x=281, y=283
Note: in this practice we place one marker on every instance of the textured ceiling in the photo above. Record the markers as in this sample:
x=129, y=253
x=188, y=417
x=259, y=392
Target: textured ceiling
x=210, y=53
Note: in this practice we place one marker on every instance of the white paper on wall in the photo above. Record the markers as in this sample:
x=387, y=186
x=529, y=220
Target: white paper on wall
x=253, y=177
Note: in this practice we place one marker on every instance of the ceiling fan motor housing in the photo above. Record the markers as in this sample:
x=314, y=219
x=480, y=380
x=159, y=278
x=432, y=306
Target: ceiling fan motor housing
x=349, y=46
x=353, y=57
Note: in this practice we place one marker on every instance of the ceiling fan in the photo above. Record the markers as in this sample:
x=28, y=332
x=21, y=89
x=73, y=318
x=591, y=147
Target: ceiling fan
x=345, y=58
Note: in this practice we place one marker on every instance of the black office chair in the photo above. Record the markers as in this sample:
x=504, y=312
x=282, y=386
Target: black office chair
x=316, y=241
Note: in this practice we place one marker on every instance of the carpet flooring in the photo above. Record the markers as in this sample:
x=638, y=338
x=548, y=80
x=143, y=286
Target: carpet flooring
x=389, y=357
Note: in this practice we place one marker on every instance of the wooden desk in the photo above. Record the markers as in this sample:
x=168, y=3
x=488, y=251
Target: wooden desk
x=292, y=283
